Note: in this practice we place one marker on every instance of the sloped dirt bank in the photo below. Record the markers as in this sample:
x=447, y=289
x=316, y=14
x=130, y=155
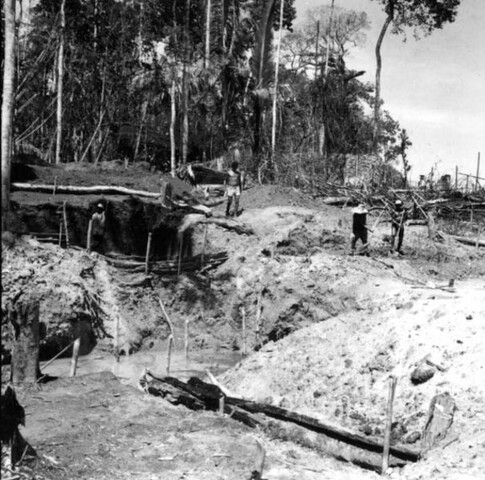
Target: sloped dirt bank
x=338, y=370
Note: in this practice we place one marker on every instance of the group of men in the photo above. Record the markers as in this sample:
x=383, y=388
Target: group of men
x=360, y=229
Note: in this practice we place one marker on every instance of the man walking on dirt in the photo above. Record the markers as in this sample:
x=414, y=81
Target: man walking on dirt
x=98, y=221
x=398, y=216
x=233, y=186
x=359, y=229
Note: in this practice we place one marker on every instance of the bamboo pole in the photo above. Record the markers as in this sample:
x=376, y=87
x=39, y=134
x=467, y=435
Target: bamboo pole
x=75, y=356
x=147, y=256
x=64, y=214
x=387, y=433
x=88, y=241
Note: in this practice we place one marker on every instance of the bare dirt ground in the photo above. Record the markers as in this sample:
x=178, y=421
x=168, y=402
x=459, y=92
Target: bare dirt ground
x=328, y=328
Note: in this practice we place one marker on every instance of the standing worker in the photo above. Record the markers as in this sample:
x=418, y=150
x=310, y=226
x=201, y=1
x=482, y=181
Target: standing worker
x=359, y=229
x=398, y=216
x=98, y=221
x=233, y=186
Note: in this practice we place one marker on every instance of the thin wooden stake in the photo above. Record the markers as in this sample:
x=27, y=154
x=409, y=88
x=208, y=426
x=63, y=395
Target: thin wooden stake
x=169, y=354
x=60, y=234
x=203, y=246
x=88, y=241
x=75, y=356
x=222, y=404
x=387, y=433
x=117, y=337
x=186, y=339
x=64, y=211
x=243, y=313
x=147, y=256
x=172, y=331
x=45, y=365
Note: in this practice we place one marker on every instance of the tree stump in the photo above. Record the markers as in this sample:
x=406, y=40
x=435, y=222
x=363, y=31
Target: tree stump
x=440, y=417
x=24, y=317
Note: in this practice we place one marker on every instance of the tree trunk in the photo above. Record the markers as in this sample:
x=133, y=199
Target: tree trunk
x=375, y=135
x=24, y=316
x=173, y=165
x=328, y=38
x=185, y=88
x=275, y=93
x=207, y=35
x=8, y=104
x=60, y=78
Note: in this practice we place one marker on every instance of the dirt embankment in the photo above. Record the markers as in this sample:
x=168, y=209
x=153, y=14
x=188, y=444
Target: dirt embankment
x=330, y=329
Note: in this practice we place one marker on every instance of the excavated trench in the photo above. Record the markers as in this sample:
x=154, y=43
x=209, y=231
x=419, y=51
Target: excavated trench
x=128, y=223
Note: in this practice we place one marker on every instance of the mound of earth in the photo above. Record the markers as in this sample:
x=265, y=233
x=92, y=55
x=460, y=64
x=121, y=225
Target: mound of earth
x=338, y=370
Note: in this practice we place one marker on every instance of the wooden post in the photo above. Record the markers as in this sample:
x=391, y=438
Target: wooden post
x=55, y=186
x=64, y=212
x=88, y=241
x=24, y=316
x=466, y=187
x=186, y=343
x=478, y=171
x=75, y=356
x=60, y=234
x=387, y=433
x=244, y=347
x=147, y=255
x=169, y=353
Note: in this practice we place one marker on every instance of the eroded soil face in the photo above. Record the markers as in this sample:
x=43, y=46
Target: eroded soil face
x=324, y=331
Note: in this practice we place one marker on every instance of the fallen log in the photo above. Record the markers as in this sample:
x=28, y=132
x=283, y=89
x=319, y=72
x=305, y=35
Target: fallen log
x=281, y=423
x=468, y=241
x=228, y=224
x=338, y=201
x=96, y=190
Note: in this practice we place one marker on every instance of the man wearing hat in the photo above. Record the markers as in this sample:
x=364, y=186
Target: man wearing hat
x=98, y=221
x=359, y=229
x=398, y=216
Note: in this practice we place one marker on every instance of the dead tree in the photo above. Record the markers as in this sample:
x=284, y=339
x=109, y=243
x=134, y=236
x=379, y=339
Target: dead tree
x=23, y=314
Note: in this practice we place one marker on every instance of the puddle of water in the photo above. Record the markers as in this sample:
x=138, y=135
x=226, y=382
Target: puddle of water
x=129, y=368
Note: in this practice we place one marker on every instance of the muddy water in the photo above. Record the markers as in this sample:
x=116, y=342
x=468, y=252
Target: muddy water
x=130, y=368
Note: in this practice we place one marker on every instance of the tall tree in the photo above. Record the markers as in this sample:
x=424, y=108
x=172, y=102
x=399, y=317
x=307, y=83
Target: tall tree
x=8, y=97
x=423, y=16
x=60, y=80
